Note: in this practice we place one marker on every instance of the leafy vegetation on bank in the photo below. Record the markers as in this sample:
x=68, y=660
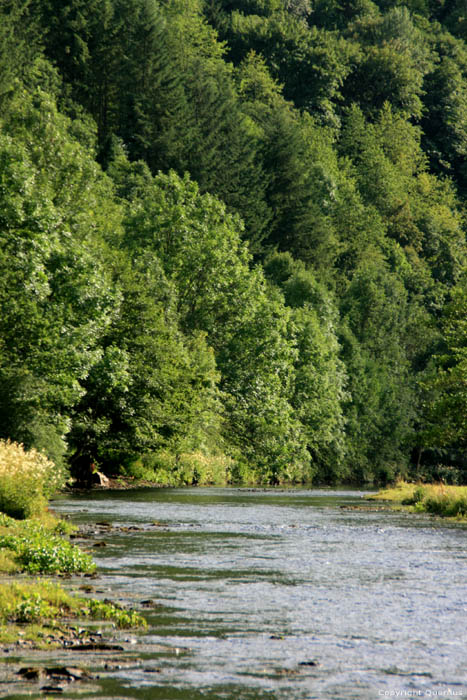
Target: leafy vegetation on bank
x=33, y=540
x=38, y=551
x=43, y=613
x=439, y=499
x=36, y=610
x=233, y=239
x=27, y=480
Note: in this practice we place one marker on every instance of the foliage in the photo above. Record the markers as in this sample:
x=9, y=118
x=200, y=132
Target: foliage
x=27, y=479
x=194, y=468
x=48, y=603
x=445, y=387
x=100, y=610
x=38, y=550
x=55, y=290
x=439, y=499
x=246, y=324
x=268, y=280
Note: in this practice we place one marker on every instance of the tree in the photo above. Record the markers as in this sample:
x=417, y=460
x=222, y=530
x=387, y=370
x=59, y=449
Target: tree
x=393, y=59
x=335, y=14
x=446, y=388
x=320, y=376
x=19, y=45
x=380, y=409
x=56, y=293
x=200, y=249
x=311, y=63
x=444, y=122
x=151, y=388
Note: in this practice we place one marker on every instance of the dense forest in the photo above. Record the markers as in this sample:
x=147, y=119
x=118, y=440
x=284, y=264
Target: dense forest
x=233, y=237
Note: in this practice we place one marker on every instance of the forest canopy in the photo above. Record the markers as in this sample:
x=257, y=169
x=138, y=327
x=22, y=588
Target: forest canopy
x=233, y=238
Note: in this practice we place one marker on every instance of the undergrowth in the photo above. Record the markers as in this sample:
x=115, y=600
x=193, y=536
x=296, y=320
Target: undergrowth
x=31, y=610
x=439, y=499
x=40, y=549
x=27, y=480
x=33, y=541
x=191, y=468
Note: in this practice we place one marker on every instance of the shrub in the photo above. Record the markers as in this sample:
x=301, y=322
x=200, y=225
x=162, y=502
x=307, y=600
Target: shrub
x=32, y=609
x=51, y=555
x=27, y=479
x=100, y=610
x=450, y=501
x=439, y=499
x=417, y=496
x=39, y=551
x=188, y=468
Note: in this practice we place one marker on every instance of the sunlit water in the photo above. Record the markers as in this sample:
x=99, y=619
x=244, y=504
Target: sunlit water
x=285, y=594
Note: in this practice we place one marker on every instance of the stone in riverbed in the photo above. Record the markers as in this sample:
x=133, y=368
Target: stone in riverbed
x=100, y=479
x=58, y=673
x=308, y=663
x=31, y=673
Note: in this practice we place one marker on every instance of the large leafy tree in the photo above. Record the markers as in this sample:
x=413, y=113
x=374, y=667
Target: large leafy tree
x=200, y=249
x=444, y=121
x=446, y=386
x=380, y=409
x=56, y=290
x=393, y=57
x=319, y=374
x=151, y=388
x=20, y=39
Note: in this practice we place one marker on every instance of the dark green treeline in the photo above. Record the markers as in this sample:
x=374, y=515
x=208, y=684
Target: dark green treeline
x=233, y=237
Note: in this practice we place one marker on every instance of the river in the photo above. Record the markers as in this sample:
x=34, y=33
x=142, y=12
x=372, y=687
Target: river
x=287, y=594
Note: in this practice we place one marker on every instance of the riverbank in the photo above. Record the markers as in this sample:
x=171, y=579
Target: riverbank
x=33, y=542
x=437, y=499
x=58, y=625
x=31, y=606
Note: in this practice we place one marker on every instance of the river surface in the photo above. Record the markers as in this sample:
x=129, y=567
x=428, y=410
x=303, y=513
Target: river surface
x=283, y=594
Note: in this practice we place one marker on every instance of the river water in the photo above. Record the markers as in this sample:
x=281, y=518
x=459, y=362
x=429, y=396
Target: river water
x=283, y=594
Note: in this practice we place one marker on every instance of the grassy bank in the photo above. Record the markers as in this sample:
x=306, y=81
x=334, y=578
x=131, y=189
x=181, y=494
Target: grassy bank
x=438, y=499
x=43, y=614
x=33, y=542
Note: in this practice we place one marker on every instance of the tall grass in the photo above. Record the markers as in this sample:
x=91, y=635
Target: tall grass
x=27, y=480
x=439, y=499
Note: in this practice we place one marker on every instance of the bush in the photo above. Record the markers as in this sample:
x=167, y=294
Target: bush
x=39, y=551
x=449, y=501
x=185, y=469
x=27, y=479
x=440, y=499
x=100, y=610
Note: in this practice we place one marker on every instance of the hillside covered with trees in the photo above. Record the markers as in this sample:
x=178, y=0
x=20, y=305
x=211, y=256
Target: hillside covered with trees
x=233, y=237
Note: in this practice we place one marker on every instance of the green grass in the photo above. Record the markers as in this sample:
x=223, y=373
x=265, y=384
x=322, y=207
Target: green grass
x=39, y=610
x=39, y=547
x=439, y=499
x=33, y=541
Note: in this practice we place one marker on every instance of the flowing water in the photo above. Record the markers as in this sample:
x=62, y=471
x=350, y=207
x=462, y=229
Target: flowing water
x=283, y=594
